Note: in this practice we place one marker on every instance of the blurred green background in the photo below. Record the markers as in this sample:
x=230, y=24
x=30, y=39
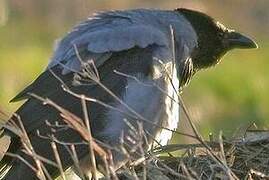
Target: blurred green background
x=232, y=95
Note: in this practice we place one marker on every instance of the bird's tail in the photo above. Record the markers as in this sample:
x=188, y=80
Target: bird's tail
x=7, y=161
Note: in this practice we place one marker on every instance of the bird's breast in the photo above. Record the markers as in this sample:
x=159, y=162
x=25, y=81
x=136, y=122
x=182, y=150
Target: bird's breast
x=171, y=116
x=153, y=99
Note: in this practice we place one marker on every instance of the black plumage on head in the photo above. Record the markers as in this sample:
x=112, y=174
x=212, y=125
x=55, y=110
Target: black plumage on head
x=214, y=39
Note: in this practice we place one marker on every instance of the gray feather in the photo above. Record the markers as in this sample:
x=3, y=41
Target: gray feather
x=122, y=30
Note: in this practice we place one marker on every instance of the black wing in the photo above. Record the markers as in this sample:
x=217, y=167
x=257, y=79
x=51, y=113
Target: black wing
x=34, y=114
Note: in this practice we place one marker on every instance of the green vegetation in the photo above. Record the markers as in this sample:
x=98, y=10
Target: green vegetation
x=24, y=52
x=234, y=93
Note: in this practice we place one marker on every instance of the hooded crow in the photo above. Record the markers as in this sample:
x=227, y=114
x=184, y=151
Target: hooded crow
x=143, y=58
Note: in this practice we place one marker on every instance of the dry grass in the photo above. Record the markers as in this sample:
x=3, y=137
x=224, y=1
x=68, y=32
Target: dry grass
x=246, y=158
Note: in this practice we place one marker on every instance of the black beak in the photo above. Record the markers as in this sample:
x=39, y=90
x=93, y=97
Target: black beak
x=237, y=40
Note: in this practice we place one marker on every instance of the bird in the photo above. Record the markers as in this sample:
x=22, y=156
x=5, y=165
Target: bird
x=139, y=60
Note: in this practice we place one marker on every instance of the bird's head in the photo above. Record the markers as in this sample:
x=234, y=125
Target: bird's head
x=214, y=39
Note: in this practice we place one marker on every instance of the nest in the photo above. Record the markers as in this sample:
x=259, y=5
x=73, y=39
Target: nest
x=243, y=158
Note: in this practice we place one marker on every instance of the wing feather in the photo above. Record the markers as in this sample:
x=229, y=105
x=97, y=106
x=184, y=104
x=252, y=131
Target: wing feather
x=34, y=114
x=117, y=31
x=104, y=34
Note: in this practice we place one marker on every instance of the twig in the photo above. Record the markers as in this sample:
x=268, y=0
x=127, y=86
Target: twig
x=58, y=160
x=92, y=156
x=29, y=148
